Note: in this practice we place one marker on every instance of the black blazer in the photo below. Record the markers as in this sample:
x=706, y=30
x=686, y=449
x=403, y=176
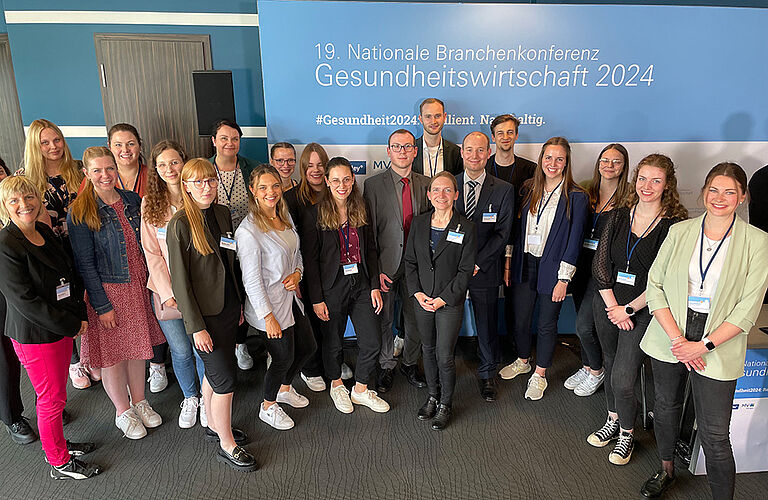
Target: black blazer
x=198, y=281
x=492, y=237
x=30, y=275
x=452, y=161
x=321, y=251
x=445, y=273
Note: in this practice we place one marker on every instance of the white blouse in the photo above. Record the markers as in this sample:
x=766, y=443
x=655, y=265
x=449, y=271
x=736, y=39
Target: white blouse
x=566, y=270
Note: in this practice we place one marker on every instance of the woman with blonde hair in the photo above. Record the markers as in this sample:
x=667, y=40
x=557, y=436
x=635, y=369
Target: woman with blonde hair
x=207, y=286
x=104, y=232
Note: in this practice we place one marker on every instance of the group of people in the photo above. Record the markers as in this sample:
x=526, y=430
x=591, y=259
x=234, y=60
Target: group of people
x=132, y=255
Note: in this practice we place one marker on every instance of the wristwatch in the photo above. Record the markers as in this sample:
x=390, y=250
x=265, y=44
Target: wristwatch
x=563, y=280
x=709, y=345
x=629, y=310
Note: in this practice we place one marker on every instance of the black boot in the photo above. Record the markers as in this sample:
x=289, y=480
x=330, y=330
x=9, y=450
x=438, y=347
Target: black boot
x=429, y=409
x=442, y=417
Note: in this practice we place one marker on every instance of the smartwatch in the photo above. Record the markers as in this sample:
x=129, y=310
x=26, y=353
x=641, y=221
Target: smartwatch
x=629, y=310
x=709, y=345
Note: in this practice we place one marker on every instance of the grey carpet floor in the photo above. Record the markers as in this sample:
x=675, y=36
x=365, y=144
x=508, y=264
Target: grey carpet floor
x=509, y=449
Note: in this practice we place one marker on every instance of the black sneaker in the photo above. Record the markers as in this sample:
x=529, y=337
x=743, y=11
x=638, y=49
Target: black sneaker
x=623, y=449
x=75, y=469
x=658, y=484
x=80, y=449
x=239, y=459
x=21, y=432
x=605, y=434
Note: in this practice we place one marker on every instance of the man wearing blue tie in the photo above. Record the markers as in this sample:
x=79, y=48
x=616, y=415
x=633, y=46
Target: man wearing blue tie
x=489, y=202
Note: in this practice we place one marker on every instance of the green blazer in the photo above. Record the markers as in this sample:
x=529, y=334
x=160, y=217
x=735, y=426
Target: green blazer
x=198, y=280
x=738, y=297
x=246, y=166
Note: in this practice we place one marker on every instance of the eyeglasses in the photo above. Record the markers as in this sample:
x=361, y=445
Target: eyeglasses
x=212, y=183
x=281, y=162
x=337, y=182
x=397, y=147
x=604, y=162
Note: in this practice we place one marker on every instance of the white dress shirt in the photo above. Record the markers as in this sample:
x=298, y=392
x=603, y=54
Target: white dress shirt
x=478, y=188
x=566, y=270
x=432, y=159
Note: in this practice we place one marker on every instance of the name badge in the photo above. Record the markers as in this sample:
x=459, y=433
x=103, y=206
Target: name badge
x=699, y=304
x=489, y=217
x=626, y=278
x=161, y=232
x=590, y=244
x=228, y=243
x=350, y=269
x=64, y=227
x=533, y=239
x=455, y=237
x=62, y=291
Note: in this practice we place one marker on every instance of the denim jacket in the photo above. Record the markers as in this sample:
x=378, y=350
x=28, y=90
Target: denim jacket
x=100, y=257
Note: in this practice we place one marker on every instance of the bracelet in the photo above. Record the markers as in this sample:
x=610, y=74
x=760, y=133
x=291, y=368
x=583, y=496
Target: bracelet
x=678, y=337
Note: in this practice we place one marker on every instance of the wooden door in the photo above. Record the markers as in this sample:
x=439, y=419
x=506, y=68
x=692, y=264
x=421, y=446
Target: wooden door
x=146, y=80
x=11, y=126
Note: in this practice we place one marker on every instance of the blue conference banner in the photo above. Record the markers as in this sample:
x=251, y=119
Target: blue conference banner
x=351, y=72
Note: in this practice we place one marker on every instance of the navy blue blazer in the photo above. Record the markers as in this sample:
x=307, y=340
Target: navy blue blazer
x=492, y=237
x=563, y=243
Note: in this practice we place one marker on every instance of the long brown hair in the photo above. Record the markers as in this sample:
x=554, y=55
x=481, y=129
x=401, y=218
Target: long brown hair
x=306, y=194
x=534, y=187
x=199, y=168
x=85, y=208
x=156, y=198
x=255, y=214
x=328, y=216
x=622, y=188
x=34, y=162
x=670, y=198
x=126, y=127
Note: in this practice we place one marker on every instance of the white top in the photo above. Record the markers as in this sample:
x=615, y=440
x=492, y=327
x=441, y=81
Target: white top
x=566, y=270
x=432, y=159
x=266, y=259
x=713, y=275
x=478, y=188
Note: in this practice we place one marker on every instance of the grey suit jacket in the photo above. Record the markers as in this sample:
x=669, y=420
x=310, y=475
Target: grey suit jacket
x=387, y=216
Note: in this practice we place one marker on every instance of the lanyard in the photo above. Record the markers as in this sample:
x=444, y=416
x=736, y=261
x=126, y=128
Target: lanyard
x=346, y=238
x=496, y=169
x=429, y=157
x=702, y=269
x=629, y=234
x=541, y=209
x=229, y=191
x=598, y=214
x=136, y=183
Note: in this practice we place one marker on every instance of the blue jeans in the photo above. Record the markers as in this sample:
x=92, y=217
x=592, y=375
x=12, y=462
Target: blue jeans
x=183, y=356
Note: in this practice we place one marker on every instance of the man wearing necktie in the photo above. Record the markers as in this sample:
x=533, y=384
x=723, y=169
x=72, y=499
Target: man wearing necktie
x=394, y=197
x=490, y=203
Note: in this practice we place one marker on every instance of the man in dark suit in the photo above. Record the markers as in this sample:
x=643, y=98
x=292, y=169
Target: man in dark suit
x=490, y=203
x=433, y=153
x=758, y=202
x=394, y=197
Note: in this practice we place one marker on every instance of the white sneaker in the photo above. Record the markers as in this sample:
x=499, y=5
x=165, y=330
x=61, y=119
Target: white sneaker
x=244, y=359
x=131, y=425
x=346, y=372
x=591, y=384
x=149, y=417
x=340, y=397
x=276, y=417
x=574, y=380
x=512, y=370
x=316, y=384
x=158, y=380
x=370, y=399
x=399, y=344
x=536, y=386
x=203, y=415
x=293, y=398
x=79, y=376
x=188, y=415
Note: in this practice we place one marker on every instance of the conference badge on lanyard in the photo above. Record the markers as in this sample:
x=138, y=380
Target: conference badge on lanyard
x=63, y=290
x=456, y=236
x=228, y=242
x=161, y=233
x=490, y=215
x=590, y=244
x=350, y=269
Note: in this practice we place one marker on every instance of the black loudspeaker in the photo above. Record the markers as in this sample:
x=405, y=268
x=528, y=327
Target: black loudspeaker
x=214, y=98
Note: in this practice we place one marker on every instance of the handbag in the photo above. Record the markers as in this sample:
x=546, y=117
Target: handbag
x=163, y=312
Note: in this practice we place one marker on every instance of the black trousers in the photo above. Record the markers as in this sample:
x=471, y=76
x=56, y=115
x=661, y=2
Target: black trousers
x=313, y=366
x=485, y=304
x=591, y=351
x=289, y=353
x=412, y=347
x=524, y=297
x=439, y=332
x=712, y=402
x=350, y=297
x=623, y=358
x=11, y=406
